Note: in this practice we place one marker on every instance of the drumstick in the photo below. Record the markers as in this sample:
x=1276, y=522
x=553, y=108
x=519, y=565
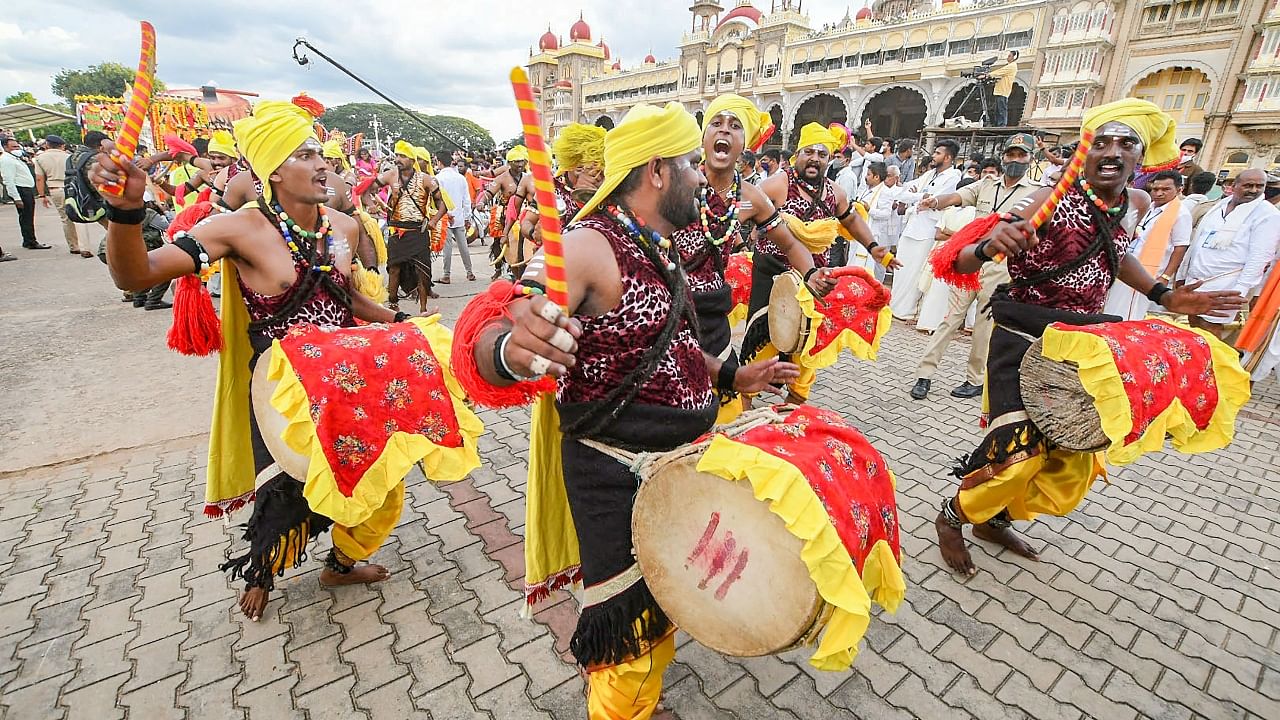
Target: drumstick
x=1065, y=182
x=139, y=102
x=543, y=189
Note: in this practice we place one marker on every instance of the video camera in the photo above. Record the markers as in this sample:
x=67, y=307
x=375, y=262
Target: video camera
x=981, y=72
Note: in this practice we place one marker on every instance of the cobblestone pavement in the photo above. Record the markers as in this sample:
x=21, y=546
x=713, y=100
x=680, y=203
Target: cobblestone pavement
x=1157, y=598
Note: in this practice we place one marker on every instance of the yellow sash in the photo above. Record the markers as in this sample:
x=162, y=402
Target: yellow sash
x=1153, y=248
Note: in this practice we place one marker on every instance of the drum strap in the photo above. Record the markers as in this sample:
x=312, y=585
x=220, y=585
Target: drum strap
x=614, y=586
x=267, y=473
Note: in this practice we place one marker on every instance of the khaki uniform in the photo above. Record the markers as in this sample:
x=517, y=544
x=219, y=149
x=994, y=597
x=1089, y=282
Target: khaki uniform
x=52, y=166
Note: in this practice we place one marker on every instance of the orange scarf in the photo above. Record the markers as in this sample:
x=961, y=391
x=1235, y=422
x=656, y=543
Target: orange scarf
x=1157, y=241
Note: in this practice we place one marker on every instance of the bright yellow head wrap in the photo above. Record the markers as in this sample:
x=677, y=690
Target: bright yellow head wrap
x=579, y=145
x=1157, y=130
x=518, y=153
x=815, y=134
x=645, y=133
x=223, y=142
x=754, y=122
x=405, y=148
x=333, y=149
x=273, y=133
x=423, y=156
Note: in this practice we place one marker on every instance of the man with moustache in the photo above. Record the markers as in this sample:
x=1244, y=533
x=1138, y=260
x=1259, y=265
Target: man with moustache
x=508, y=183
x=918, y=234
x=410, y=220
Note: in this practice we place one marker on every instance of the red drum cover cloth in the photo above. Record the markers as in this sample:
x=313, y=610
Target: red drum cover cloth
x=853, y=305
x=738, y=275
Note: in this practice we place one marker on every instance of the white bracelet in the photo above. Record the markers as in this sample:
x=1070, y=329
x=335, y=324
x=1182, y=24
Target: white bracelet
x=502, y=358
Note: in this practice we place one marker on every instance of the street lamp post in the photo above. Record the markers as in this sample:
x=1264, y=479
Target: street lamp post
x=376, y=125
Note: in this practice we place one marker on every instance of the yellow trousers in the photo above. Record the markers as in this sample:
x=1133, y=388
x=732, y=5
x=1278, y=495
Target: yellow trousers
x=1051, y=483
x=363, y=540
x=630, y=690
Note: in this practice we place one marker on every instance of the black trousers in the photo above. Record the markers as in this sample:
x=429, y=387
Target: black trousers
x=27, y=215
x=1000, y=111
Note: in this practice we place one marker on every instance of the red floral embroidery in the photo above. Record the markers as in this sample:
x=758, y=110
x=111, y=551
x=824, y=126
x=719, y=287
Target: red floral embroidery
x=1158, y=363
x=738, y=275
x=845, y=472
x=366, y=383
x=854, y=305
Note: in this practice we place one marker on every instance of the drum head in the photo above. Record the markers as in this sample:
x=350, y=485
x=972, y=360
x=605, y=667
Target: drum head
x=1058, y=404
x=720, y=564
x=787, y=323
x=271, y=423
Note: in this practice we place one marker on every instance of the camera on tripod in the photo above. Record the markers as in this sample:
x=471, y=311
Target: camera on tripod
x=981, y=73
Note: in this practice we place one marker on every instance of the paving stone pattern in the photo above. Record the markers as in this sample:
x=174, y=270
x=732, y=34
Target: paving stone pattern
x=1157, y=598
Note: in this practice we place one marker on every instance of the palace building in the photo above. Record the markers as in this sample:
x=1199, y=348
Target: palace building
x=905, y=65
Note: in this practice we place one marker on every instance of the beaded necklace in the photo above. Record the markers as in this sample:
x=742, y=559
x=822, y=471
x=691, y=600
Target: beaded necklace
x=1088, y=192
x=730, y=216
x=642, y=234
x=289, y=228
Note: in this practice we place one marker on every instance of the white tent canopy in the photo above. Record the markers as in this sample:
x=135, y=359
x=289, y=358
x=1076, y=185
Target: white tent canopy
x=22, y=116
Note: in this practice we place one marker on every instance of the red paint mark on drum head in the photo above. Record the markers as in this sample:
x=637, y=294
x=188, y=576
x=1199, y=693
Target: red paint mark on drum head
x=713, y=556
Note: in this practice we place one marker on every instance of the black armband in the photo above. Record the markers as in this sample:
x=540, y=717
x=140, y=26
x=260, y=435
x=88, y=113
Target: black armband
x=980, y=252
x=1156, y=292
x=187, y=243
x=772, y=221
x=873, y=245
x=401, y=316
x=727, y=373
x=130, y=216
x=499, y=362
x=847, y=212
x=809, y=273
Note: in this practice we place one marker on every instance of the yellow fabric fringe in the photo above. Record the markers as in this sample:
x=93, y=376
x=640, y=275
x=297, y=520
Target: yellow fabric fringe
x=402, y=451
x=738, y=314
x=1101, y=378
x=230, y=474
x=551, y=542
x=817, y=235
x=374, y=231
x=791, y=498
x=368, y=282
x=845, y=339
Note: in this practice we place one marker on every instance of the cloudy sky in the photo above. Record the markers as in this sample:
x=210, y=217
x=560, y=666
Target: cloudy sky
x=440, y=57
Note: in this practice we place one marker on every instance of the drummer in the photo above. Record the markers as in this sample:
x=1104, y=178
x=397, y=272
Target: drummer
x=579, y=154
x=291, y=260
x=629, y=374
x=1060, y=274
x=805, y=192
x=726, y=203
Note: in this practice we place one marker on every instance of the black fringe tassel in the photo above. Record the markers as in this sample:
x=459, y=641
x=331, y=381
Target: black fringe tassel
x=278, y=532
x=606, y=633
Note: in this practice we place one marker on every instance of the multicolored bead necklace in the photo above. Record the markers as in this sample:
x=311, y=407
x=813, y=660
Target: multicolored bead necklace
x=290, y=229
x=640, y=233
x=1093, y=197
x=730, y=216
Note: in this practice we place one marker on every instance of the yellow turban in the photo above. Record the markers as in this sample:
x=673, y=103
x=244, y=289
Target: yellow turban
x=754, y=122
x=1157, y=130
x=424, y=155
x=517, y=154
x=222, y=142
x=333, y=149
x=645, y=133
x=815, y=134
x=274, y=132
x=403, y=147
x=579, y=145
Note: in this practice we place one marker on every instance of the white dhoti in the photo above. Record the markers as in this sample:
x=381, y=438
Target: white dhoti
x=913, y=253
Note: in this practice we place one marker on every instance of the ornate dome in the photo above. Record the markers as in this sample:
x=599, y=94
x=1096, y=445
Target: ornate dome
x=863, y=14
x=580, y=31
x=548, y=41
x=746, y=12
x=604, y=47
x=649, y=60
x=617, y=65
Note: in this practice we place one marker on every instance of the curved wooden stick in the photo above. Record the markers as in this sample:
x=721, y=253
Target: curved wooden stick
x=139, y=102
x=543, y=189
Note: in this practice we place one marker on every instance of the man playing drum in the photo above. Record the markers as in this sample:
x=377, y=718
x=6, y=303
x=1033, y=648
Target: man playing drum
x=291, y=260
x=629, y=374
x=726, y=202
x=805, y=193
x=1059, y=274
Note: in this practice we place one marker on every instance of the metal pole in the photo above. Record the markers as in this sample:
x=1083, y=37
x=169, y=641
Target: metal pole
x=302, y=59
x=376, y=124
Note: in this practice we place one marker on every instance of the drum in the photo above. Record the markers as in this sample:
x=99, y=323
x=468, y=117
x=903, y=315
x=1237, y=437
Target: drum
x=789, y=327
x=272, y=424
x=723, y=565
x=518, y=250
x=1057, y=402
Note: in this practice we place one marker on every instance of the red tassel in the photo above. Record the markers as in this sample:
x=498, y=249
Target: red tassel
x=513, y=208
x=196, y=329
x=480, y=312
x=943, y=260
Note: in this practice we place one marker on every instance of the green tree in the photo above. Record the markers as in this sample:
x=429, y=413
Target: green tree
x=21, y=97
x=354, y=118
x=108, y=78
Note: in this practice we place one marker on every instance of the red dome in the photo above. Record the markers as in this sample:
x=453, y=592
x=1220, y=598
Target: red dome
x=742, y=11
x=548, y=41
x=863, y=14
x=604, y=47
x=617, y=65
x=649, y=60
x=580, y=30
x=564, y=84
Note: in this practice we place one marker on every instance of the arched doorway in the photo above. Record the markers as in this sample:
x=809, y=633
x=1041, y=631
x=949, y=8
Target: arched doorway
x=896, y=113
x=1183, y=92
x=823, y=109
x=605, y=122
x=966, y=103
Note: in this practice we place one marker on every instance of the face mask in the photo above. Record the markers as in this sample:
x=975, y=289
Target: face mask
x=19, y=152
x=1016, y=170
x=1188, y=157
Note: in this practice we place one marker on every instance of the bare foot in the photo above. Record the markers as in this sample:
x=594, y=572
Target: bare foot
x=794, y=399
x=359, y=575
x=951, y=543
x=253, y=601
x=1007, y=538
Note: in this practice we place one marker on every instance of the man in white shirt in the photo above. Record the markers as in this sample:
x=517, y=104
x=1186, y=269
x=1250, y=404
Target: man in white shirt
x=877, y=198
x=1234, y=245
x=455, y=184
x=1164, y=234
x=917, y=235
x=21, y=185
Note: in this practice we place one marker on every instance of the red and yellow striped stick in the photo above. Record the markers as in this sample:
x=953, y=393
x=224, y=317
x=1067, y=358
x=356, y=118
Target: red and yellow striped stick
x=543, y=189
x=139, y=102
x=1069, y=175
